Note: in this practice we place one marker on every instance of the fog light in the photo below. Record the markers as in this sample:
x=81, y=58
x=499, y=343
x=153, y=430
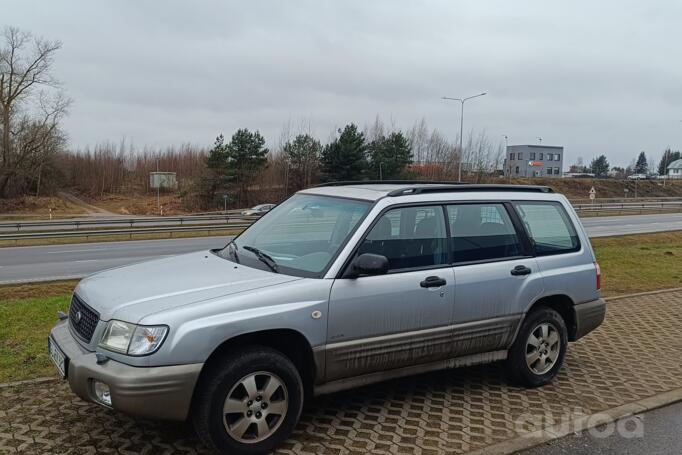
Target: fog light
x=102, y=393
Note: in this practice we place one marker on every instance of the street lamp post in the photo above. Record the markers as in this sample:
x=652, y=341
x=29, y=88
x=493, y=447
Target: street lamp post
x=461, y=128
x=506, y=155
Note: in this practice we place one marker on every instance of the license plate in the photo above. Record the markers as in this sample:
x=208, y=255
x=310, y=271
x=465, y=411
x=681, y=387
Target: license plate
x=57, y=356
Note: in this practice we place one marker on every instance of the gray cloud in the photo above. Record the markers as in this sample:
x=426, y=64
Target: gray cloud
x=596, y=77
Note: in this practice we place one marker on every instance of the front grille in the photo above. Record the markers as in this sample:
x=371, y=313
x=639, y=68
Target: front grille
x=82, y=318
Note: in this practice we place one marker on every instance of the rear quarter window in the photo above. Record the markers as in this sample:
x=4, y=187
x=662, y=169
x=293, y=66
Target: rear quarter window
x=549, y=227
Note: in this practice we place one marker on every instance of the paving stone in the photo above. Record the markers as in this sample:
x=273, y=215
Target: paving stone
x=635, y=354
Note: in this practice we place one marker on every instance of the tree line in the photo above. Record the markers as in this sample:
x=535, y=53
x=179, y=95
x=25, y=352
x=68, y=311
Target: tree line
x=600, y=167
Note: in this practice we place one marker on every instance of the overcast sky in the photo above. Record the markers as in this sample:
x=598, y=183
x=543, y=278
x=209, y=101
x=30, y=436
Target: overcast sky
x=594, y=76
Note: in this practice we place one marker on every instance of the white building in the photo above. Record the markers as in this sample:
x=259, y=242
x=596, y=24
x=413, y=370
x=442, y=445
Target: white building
x=675, y=170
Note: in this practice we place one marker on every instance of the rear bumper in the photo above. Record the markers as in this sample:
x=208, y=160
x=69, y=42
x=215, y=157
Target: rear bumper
x=154, y=392
x=588, y=316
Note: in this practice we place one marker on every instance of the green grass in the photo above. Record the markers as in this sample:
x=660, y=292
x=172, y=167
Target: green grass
x=23, y=336
x=634, y=263
x=639, y=263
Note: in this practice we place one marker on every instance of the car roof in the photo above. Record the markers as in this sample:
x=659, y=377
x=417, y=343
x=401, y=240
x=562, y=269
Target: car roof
x=372, y=191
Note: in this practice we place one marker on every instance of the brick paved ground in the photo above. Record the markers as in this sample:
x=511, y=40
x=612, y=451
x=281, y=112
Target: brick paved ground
x=636, y=354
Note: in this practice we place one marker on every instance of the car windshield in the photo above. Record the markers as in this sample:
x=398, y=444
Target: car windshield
x=301, y=236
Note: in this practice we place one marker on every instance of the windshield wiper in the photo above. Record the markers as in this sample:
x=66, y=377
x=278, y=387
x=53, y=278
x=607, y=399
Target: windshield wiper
x=263, y=257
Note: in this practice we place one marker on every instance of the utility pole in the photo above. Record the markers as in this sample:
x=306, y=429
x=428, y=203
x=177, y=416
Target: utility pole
x=461, y=129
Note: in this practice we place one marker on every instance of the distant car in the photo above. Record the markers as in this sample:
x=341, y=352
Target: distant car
x=637, y=177
x=258, y=210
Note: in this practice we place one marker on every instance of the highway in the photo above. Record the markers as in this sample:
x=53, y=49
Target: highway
x=55, y=262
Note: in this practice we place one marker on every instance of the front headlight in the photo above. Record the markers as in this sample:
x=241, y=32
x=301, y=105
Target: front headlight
x=132, y=339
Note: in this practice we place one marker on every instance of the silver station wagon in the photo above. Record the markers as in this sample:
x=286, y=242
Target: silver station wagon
x=339, y=286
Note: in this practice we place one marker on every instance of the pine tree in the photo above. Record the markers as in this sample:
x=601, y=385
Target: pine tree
x=600, y=166
x=345, y=158
x=641, y=167
x=235, y=164
x=389, y=156
x=303, y=158
x=668, y=157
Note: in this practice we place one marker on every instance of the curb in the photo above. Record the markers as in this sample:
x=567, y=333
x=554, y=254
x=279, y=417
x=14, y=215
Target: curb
x=640, y=294
x=580, y=424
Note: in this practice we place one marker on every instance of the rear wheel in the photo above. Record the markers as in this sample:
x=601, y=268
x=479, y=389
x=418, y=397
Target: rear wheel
x=248, y=402
x=539, y=350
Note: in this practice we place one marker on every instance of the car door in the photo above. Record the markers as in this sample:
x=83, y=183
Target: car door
x=402, y=318
x=496, y=276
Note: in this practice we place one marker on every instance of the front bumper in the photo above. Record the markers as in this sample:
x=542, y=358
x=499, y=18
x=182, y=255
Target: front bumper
x=155, y=392
x=588, y=316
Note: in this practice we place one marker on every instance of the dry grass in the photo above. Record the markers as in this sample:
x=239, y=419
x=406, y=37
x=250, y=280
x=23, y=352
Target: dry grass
x=36, y=290
x=37, y=207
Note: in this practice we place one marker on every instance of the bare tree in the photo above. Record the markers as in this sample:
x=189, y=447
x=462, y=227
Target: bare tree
x=25, y=72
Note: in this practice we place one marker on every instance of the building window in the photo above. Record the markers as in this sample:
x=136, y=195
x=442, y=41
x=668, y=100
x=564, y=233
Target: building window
x=532, y=156
x=556, y=171
x=520, y=156
x=541, y=156
x=517, y=169
x=549, y=171
x=511, y=157
x=557, y=157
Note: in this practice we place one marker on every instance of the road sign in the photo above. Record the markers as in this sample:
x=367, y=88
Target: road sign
x=593, y=191
x=592, y=196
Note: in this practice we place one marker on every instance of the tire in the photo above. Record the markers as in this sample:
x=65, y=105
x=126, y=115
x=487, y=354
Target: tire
x=534, y=362
x=264, y=412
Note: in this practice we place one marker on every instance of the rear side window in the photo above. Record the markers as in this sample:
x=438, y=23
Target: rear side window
x=409, y=237
x=548, y=227
x=482, y=232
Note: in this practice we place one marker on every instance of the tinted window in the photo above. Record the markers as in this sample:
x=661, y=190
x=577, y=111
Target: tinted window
x=548, y=226
x=409, y=237
x=482, y=232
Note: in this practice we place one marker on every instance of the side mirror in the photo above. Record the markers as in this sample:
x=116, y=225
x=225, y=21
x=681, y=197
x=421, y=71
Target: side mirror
x=369, y=264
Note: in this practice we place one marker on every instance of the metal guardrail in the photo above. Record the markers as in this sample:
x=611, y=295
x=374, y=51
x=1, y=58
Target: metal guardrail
x=76, y=224
x=102, y=232
x=637, y=206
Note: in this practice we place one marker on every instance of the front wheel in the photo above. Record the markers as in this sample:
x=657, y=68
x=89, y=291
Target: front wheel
x=248, y=402
x=539, y=350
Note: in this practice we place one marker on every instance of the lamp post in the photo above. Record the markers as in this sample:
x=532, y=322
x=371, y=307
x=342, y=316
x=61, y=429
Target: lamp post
x=461, y=128
x=506, y=155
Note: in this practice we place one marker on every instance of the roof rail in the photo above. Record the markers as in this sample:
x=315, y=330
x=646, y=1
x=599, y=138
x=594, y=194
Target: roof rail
x=441, y=186
x=387, y=182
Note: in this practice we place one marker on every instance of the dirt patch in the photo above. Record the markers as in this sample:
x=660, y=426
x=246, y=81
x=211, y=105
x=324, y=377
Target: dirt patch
x=36, y=290
x=31, y=205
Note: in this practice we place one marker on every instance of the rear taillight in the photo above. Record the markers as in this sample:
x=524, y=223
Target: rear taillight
x=598, y=270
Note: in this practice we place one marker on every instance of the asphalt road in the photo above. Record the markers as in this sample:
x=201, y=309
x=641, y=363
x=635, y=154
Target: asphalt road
x=654, y=433
x=46, y=263
x=604, y=226
x=60, y=262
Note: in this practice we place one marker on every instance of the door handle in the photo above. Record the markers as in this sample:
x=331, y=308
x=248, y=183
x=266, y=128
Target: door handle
x=520, y=270
x=433, y=282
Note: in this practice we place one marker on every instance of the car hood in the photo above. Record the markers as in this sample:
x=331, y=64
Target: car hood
x=131, y=292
